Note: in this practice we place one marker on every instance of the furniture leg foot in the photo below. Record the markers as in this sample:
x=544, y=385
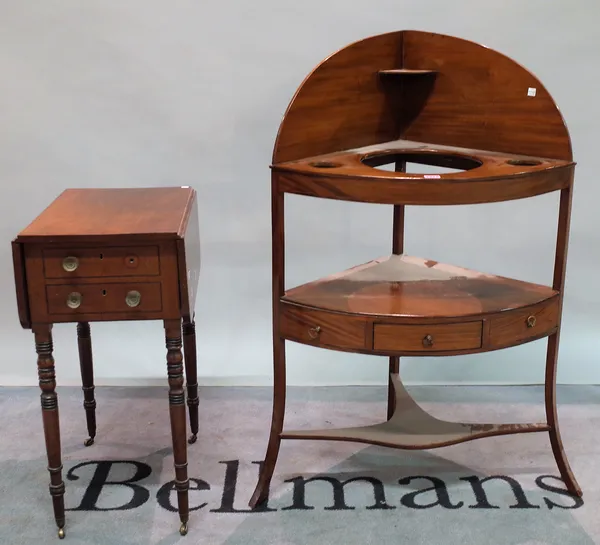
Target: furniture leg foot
x=261, y=493
x=61, y=533
x=191, y=374
x=183, y=529
x=566, y=473
x=177, y=415
x=86, y=364
x=558, y=450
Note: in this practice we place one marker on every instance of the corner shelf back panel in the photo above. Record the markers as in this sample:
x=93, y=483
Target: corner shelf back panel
x=482, y=99
x=342, y=103
x=425, y=87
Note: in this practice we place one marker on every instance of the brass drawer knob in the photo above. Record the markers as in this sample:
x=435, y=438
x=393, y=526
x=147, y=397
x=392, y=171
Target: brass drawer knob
x=133, y=298
x=70, y=263
x=74, y=299
x=314, y=332
x=427, y=341
x=531, y=321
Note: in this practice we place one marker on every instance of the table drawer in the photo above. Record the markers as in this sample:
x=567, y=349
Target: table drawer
x=427, y=338
x=516, y=326
x=104, y=298
x=319, y=328
x=101, y=261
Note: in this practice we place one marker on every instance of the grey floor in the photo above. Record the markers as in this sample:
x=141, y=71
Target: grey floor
x=416, y=497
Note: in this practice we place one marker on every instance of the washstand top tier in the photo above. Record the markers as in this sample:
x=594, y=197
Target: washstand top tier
x=420, y=97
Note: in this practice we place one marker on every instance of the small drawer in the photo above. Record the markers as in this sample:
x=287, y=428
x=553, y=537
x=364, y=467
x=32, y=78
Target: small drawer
x=427, y=338
x=320, y=328
x=101, y=262
x=515, y=326
x=104, y=298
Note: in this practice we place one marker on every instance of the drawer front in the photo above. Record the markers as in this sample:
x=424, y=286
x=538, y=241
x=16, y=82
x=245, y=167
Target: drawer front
x=99, y=262
x=322, y=328
x=516, y=326
x=104, y=298
x=427, y=338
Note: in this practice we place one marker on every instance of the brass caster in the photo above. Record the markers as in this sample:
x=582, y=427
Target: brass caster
x=61, y=533
x=88, y=442
x=183, y=529
x=192, y=439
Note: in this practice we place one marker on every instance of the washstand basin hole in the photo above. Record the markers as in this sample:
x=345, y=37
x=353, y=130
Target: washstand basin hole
x=421, y=162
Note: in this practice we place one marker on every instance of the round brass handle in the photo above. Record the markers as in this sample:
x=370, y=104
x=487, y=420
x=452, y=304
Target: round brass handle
x=70, y=263
x=314, y=332
x=133, y=298
x=427, y=341
x=74, y=299
x=531, y=321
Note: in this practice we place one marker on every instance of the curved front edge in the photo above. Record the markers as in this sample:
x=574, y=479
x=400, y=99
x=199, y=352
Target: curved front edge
x=412, y=191
x=405, y=336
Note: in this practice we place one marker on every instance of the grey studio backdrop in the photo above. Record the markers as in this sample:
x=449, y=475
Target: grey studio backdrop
x=107, y=93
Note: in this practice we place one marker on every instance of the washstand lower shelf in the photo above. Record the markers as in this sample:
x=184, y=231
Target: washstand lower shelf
x=411, y=427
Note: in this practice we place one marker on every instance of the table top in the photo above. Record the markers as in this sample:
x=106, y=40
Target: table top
x=76, y=214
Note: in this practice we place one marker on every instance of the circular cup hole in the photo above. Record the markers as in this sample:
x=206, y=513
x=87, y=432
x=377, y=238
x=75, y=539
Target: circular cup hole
x=523, y=162
x=325, y=164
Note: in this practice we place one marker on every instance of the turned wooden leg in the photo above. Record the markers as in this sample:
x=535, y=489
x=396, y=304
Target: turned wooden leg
x=261, y=493
x=552, y=417
x=86, y=364
x=177, y=414
x=191, y=375
x=45, y=363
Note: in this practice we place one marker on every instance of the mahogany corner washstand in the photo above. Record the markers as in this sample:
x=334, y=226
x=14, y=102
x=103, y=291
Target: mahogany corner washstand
x=107, y=255
x=418, y=97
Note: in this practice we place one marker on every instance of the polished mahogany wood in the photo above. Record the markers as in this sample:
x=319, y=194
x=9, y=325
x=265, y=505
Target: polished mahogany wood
x=191, y=375
x=412, y=287
x=49, y=399
x=482, y=99
x=435, y=100
x=323, y=329
x=95, y=214
x=488, y=176
x=523, y=324
x=86, y=364
x=103, y=262
x=397, y=249
x=113, y=254
x=478, y=99
x=558, y=282
x=177, y=414
x=104, y=298
x=435, y=337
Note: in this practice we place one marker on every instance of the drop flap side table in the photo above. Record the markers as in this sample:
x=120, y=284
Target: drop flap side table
x=110, y=255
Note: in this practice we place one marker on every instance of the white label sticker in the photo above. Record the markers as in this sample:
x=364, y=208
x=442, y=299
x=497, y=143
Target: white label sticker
x=531, y=92
x=431, y=176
